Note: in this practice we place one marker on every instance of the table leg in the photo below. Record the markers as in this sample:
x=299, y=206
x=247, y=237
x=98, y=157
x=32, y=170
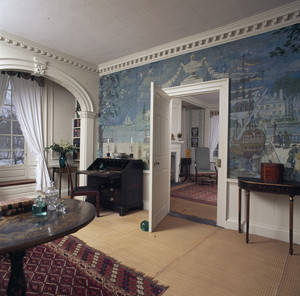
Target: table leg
x=291, y=223
x=60, y=184
x=69, y=185
x=240, y=205
x=247, y=214
x=17, y=282
x=187, y=172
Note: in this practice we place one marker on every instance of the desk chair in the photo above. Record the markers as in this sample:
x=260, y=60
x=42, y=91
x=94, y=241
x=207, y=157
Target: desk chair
x=84, y=191
x=203, y=165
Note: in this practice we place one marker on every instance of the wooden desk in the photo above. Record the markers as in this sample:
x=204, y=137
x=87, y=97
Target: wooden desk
x=22, y=231
x=120, y=184
x=61, y=171
x=255, y=184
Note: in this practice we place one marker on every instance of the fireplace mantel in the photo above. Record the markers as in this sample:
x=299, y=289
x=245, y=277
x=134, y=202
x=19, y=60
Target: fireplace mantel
x=176, y=150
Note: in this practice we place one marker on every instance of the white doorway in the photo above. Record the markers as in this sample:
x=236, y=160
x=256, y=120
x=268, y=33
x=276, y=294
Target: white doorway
x=222, y=87
x=188, y=199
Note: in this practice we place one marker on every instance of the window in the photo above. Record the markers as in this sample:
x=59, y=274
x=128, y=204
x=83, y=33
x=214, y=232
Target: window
x=216, y=151
x=11, y=137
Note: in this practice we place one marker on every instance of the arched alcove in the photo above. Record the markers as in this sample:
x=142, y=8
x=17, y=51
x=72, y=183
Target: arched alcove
x=87, y=113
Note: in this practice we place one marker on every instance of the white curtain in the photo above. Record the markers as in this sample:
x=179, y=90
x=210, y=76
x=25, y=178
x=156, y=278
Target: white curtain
x=3, y=89
x=214, y=135
x=27, y=101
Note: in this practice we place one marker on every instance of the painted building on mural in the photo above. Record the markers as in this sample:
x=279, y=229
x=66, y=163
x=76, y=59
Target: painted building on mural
x=264, y=73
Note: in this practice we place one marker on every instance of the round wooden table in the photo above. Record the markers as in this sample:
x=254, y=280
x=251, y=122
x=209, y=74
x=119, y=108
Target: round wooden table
x=22, y=231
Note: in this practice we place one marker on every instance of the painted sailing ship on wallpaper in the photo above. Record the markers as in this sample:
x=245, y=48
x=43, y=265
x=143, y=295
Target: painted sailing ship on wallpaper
x=268, y=131
x=248, y=138
x=264, y=122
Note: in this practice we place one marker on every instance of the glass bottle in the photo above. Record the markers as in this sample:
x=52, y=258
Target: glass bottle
x=39, y=208
x=51, y=196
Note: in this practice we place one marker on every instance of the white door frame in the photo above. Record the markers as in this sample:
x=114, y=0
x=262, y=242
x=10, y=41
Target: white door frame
x=221, y=86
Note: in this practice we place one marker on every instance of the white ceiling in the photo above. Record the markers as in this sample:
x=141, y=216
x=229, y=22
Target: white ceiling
x=98, y=31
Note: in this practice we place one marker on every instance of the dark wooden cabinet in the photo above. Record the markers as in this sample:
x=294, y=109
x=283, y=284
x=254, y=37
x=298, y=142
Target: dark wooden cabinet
x=120, y=184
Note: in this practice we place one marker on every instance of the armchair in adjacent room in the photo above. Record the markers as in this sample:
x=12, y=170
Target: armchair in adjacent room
x=204, y=168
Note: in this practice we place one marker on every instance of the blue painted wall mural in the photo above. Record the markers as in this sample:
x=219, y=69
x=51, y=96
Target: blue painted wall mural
x=264, y=73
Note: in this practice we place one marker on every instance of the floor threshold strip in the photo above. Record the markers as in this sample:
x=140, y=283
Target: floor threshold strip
x=193, y=218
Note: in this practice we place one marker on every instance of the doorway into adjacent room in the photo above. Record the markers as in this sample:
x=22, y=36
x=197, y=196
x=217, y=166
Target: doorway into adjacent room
x=185, y=202
x=184, y=92
x=188, y=199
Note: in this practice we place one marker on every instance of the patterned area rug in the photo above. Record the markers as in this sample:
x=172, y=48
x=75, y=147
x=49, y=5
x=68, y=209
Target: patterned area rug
x=68, y=266
x=199, y=193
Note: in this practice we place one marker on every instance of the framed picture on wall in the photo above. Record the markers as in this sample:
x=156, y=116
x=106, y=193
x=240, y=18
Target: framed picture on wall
x=194, y=132
x=194, y=142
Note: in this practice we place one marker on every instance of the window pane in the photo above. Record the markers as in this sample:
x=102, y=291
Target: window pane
x=18, y=157
x=18, y=143
x=16, y=128
x=5, y=142
x=5, y=158
x=5, y=127
x=5, y=112
x=12, y=143
x=14, y=114
x=8, y=98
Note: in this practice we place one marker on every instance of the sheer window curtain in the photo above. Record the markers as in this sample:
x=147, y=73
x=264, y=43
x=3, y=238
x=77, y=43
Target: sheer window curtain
x=214, y=135
x=27, y=101
x=3, y=89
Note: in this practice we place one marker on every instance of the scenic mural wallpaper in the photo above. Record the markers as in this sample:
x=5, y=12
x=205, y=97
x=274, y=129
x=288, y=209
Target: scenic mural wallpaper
x=264, y=119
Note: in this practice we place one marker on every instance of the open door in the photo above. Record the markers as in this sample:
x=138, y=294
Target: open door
x=160, y=157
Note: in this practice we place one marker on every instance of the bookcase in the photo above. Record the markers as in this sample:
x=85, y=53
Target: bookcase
x=76, y=137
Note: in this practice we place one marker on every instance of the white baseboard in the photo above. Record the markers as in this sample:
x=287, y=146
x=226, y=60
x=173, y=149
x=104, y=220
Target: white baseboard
x=269, y=231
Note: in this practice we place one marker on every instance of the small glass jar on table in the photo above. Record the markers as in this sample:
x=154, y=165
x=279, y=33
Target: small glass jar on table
x=39, y=208
x=51, y=197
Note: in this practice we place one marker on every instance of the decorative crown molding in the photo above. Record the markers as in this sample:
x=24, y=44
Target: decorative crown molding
x=274, y=19
x=58, y=57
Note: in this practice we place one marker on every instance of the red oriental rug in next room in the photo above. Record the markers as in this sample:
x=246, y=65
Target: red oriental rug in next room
x=68, y=266
x=199, y=193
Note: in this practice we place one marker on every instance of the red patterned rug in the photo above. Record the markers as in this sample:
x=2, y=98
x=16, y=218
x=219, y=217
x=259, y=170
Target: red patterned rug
x=199, y=193
x=68, y=266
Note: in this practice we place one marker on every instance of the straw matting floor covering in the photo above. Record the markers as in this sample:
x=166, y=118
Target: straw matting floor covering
x=195, y=259
x=223, y=264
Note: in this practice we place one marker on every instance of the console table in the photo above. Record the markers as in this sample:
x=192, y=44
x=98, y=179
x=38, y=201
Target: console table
x=61, y=171
x=256, y=184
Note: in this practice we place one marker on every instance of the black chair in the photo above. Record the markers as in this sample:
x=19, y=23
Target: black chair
x=84, y=191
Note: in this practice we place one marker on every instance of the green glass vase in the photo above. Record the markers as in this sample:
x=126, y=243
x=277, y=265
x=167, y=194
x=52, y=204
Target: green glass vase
x=62, y=160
